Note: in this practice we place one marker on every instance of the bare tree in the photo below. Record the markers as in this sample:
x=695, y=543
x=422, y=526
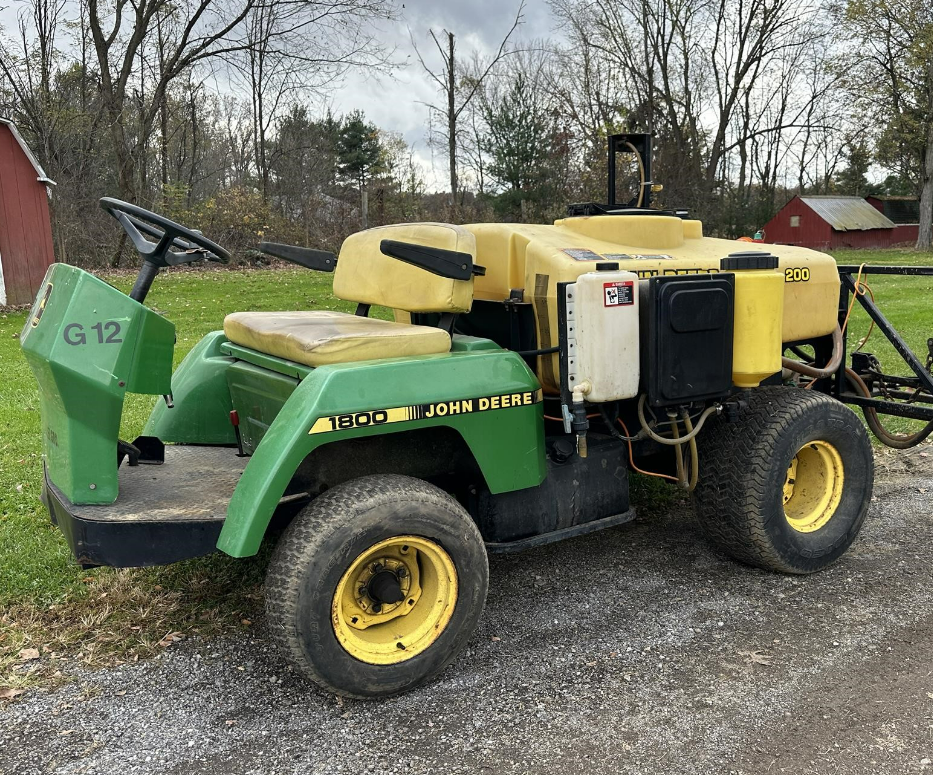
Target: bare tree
x=890, y=78
x=193, y=31
x=458, y=92
x=300, y=48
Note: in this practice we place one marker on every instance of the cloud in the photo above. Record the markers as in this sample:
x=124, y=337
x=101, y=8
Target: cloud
x=397, y=102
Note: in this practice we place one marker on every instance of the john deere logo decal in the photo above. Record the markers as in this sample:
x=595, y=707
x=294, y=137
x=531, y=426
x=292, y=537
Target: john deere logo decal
x=345, y=422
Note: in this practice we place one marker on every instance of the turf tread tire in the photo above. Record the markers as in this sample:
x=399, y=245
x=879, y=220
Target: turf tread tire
x=738, y=502
x=307, y=545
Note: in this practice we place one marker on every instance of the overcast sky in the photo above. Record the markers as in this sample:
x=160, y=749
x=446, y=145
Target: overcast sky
x=396, y=102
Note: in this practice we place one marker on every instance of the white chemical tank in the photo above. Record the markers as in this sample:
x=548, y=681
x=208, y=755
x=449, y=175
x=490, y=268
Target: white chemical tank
x=602, y=334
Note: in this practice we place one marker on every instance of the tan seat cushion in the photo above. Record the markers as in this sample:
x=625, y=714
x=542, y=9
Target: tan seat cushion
x=321, y=338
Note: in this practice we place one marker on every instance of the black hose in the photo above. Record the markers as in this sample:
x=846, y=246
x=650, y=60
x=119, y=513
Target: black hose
x=893, y=440
x=531, y=353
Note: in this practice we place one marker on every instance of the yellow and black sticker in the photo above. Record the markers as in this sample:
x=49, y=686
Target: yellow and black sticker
x=352, y=420
x=797, y=274
x=40, y=307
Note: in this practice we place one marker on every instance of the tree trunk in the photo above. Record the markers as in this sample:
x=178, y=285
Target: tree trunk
x=452, y=117
x=364, y=206
x=163, y=146
x=925, y=233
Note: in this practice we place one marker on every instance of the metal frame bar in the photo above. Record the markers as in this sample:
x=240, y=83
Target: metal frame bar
x=896, y=408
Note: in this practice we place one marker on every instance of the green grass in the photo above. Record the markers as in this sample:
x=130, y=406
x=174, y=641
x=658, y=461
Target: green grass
x=46, y=600
x=48, y=603
x=906, y=301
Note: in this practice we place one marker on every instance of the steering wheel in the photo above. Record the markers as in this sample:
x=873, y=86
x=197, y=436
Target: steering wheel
x=137, y=222
x=174, y=244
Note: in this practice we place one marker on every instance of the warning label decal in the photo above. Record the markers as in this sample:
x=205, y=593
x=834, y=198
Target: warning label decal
x=619, y=294
x=345, y=422
x=582, y=254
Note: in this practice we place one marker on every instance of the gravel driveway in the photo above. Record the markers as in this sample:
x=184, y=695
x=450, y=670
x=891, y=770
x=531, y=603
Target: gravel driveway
x=634, y=650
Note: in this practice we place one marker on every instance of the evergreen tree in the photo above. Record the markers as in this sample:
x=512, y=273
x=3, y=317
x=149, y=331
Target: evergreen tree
x=359, y=153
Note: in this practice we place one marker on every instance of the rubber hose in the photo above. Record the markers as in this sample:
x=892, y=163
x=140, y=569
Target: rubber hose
x=679, y=455
x=893, y=440
x=812, y=371
x=670, y=442
x=694, y=458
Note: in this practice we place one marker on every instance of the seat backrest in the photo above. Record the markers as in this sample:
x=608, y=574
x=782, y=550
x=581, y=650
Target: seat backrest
x=367, y=276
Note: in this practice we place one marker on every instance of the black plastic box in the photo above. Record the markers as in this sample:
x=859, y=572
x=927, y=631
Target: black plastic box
x=687, y=324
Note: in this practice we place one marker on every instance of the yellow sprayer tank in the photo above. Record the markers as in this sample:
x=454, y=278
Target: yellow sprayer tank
x=534, y=258
x=759, y=316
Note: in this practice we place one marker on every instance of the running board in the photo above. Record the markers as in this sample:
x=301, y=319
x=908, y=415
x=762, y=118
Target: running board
x=506, y=547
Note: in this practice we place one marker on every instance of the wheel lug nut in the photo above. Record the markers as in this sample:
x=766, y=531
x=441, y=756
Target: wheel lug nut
x=377, y=607
x=402, y=573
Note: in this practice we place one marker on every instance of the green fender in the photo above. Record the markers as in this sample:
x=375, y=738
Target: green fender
x=460, y=390
x=201, y=414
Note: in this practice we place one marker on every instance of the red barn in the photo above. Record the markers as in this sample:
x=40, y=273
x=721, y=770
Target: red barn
x=903, y=212
x=25, y=228
x=828, y=222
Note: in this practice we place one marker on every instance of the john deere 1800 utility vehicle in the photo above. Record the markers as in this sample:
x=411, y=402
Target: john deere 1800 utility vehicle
x=528, y=370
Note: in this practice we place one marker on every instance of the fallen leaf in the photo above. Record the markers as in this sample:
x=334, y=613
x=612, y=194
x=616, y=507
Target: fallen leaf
x=9, y=694
x=496, y=638
x=169, y=639
x=756, y=657
x=27, y=655
x=245, y=622
x=65, y=732
x=121, y=693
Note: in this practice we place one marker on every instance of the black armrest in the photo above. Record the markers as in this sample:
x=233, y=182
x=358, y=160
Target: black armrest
x=320, y=260
x=446, y=263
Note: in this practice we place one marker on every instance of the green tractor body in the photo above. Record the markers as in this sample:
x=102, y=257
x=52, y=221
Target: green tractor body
x=89, y=344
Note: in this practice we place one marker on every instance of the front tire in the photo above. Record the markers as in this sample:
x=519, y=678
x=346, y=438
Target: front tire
x=786, y=487
x=377, y=585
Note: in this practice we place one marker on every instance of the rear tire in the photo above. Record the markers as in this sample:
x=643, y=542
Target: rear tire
x=788, y=486
x=326, y=590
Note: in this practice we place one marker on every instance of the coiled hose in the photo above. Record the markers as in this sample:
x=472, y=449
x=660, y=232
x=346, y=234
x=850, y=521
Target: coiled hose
x=893, y=440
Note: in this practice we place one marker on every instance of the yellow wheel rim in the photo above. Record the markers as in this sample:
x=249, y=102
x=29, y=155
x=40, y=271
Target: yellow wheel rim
x=394, y=600
x=813, y=487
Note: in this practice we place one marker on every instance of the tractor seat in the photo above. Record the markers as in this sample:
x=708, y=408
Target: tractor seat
x=368, y=277
x=320, y=338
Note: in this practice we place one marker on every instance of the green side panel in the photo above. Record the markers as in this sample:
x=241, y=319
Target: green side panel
x=201, y=412
x=282, y=366
x=508, y=444
x=258, y=397
x=88, y=344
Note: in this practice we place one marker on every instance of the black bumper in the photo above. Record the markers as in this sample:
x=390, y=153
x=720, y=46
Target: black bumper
x=124, y=543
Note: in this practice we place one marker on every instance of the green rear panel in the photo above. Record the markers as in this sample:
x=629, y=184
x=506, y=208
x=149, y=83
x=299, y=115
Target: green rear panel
x=88, y=344
x=458, y=389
